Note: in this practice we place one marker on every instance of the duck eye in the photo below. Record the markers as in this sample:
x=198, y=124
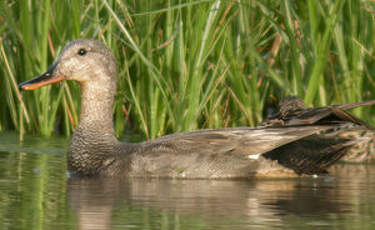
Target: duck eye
x=81, y=52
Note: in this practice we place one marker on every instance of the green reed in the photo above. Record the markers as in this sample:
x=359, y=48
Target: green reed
x=185, y=65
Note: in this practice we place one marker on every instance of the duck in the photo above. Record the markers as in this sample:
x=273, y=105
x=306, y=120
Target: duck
x=226, y=153
x=292, y=111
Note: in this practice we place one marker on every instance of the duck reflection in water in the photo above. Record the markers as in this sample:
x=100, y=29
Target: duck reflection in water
x=149, y=202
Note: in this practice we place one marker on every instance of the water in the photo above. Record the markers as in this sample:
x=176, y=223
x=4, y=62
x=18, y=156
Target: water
x=36, y=193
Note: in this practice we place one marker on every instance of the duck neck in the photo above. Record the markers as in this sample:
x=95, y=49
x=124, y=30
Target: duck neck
x=94, y=143
x=97, y=109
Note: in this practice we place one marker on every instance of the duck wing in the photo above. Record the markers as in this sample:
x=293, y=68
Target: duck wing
x=222, y=153
x=322, y=115
x=354, y=105
x=292, y=112
x=242, y=140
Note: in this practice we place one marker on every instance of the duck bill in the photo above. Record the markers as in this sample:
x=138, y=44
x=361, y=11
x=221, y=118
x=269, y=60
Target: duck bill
x=49, y=77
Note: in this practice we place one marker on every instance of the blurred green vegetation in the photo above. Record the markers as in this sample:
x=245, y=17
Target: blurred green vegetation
x=185, y=65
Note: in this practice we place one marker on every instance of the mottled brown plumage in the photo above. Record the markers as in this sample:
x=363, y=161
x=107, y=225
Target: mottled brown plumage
x=292, y=111
x=223, y=153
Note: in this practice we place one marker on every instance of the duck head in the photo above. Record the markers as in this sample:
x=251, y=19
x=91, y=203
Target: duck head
x=86, y=61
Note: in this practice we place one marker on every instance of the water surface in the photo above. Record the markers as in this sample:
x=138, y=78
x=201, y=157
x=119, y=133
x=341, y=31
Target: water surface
x=36, y=193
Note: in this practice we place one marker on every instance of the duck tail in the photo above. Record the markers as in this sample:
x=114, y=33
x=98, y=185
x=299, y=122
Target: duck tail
x=311, y=155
